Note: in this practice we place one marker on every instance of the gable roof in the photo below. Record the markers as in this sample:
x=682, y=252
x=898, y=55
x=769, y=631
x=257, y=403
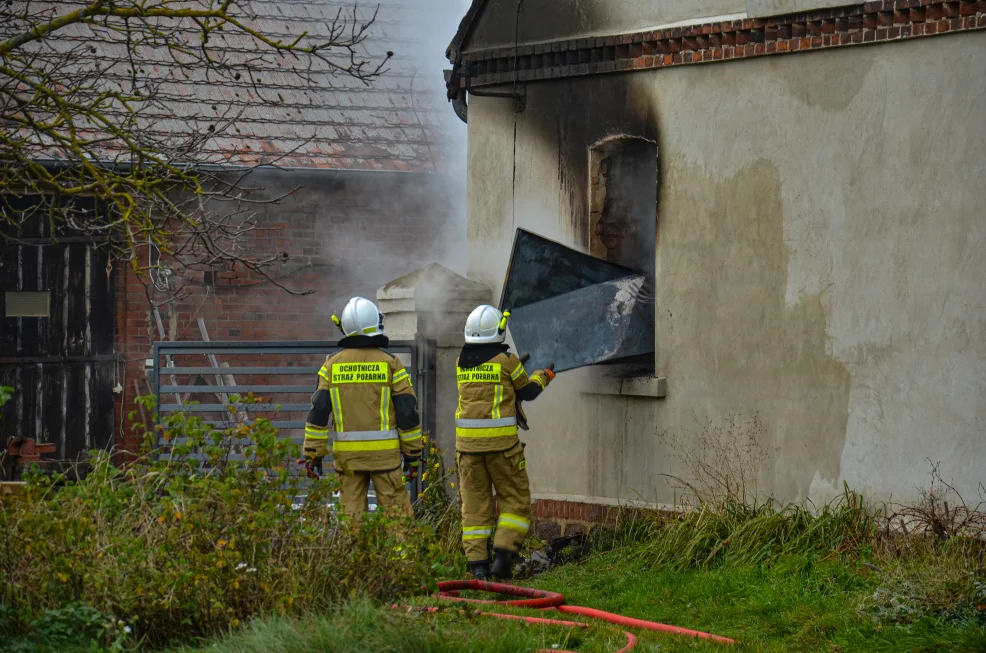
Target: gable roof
x=434, y=282
x=319, y=119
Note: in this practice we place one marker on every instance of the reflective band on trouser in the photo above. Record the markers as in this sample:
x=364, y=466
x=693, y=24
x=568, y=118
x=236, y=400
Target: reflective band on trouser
x=476, y=532
x=316, y=433
x=514, y=522
x=336, y=408
x=414, y=434
x=366, y=441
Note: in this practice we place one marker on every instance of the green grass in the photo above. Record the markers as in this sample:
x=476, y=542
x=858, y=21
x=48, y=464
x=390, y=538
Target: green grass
x=773, y=579
x=361, y=627
x=788, y=579
x=792, y=604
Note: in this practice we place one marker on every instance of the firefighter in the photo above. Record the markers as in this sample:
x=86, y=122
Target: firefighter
x=374, y=411
x=491, y=382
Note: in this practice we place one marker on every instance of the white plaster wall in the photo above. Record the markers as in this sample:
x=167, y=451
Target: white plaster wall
x=819, y=266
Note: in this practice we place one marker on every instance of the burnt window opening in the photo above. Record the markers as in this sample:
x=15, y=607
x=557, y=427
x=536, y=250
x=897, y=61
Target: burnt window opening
x=623, y=219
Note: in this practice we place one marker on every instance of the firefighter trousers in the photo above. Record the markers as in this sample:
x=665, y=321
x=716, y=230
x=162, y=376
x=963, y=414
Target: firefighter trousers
x=391, y=493
x=479, y=475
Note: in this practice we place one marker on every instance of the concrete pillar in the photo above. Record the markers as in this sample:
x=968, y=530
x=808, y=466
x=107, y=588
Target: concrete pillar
x=433, y=303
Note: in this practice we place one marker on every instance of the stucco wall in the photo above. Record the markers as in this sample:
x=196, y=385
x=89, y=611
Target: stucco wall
x=819, y=265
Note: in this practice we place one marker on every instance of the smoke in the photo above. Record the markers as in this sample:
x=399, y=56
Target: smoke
x=368, y=228
x=417, y=32
x=430, y=214
x=427, y=30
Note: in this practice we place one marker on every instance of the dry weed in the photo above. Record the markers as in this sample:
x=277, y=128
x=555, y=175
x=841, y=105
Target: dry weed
x=723, y=463
x=942, y=512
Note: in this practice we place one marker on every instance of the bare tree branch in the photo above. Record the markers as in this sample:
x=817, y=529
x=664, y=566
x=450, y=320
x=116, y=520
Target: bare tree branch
x=93, y=105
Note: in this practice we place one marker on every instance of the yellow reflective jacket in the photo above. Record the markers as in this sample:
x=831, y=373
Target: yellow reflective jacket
x=486, y=419
x=374, y=413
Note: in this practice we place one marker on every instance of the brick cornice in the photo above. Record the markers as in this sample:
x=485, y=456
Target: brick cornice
x=871, y=22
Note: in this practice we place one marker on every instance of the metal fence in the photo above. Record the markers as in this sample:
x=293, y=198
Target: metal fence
x=201, y=378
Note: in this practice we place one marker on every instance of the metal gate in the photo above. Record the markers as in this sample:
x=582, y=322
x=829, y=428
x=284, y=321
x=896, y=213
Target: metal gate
x=57, y=322
x=200, y=377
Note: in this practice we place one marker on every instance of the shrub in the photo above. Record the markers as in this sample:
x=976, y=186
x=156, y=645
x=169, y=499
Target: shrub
x=76, y=627
x=438, y=505
x=200, y=535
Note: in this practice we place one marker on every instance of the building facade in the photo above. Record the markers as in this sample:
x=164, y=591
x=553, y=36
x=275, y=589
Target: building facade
x=819, y=209
x=350, y=185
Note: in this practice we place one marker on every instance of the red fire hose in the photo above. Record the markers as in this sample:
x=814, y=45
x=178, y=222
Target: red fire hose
x=543, y=600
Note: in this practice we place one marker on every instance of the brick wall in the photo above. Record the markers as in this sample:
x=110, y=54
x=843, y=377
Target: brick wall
x=554, y=518
x=855, y=24
x=346, y=233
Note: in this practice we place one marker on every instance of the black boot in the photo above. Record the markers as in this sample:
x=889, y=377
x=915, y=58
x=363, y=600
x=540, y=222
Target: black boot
x=503, y=563
x=480, y=570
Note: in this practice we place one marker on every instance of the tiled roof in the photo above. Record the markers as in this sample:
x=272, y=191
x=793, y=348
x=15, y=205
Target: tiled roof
x=329, y=120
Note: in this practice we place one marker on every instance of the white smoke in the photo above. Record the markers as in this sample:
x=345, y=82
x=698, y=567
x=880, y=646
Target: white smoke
x=417, y=32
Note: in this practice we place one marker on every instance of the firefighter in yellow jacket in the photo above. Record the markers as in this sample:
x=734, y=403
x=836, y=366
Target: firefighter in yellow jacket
x=368, y=394
x=489, y=455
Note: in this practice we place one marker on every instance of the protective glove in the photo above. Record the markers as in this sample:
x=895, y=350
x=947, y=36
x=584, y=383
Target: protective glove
x=410, y=469
x=313, y=467
x=547, y=375
x=521, y=416
x=549, y=369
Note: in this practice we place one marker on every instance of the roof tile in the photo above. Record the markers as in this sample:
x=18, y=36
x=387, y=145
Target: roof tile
x=334, y=122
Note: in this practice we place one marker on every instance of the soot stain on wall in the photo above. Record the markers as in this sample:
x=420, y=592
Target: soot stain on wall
x=578, y=115
x=829, y=88
x=735, y=342
x=729, y=344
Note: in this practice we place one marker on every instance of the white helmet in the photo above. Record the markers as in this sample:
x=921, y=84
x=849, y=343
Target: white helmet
x=486, y=324
x=361, y=317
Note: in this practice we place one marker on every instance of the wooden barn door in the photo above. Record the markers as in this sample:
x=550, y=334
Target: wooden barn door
x=57, y=324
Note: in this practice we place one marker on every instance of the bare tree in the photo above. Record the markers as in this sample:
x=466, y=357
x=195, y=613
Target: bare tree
x=92, y=105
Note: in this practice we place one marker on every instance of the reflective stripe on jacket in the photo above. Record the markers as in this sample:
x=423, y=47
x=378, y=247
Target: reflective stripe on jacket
x=486, y=418
x=362, y=385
